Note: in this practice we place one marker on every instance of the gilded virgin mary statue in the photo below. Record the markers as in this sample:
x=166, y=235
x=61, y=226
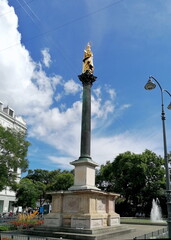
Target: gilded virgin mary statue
x=88, y=60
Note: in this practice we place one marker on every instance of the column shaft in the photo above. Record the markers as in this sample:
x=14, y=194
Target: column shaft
x=86, y=122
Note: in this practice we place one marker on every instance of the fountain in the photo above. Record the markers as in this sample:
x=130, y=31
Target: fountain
x=156, y=215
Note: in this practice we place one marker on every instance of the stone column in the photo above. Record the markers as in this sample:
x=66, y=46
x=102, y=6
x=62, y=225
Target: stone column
x=87, y=79
x=84, y=177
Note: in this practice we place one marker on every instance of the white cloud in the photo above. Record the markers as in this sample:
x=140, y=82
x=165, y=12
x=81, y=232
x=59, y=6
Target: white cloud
x=30, y=91
x=46, y=57
x=101, y=109
x=62, y=162
x=107, y=148
x=125, y=106
x=97, y=92
x=71, y=87
x=24, y=85
x=137, y=142
x=112, y=93
x=58, y=97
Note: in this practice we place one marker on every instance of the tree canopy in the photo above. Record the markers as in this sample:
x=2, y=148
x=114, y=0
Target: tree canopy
x=40, y=182
x=27, y=193
x=137, y=177
x=62, y=182
x=13, y=153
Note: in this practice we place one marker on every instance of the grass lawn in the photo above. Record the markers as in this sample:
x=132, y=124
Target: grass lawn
x=134, y=220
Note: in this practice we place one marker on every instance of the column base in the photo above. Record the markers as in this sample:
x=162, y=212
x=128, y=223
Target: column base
x=86, y=209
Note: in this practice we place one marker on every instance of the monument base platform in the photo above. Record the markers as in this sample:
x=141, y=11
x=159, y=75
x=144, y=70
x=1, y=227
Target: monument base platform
x=105, y=233
x=82, y=209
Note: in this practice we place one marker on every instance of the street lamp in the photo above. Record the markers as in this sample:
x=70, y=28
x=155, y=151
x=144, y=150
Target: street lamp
x=150, y=85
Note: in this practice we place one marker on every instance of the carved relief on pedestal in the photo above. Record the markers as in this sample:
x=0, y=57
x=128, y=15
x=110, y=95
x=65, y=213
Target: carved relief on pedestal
x=101, y=204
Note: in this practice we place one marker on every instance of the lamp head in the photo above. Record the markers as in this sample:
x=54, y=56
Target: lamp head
x=150, y=85
x=169, y=106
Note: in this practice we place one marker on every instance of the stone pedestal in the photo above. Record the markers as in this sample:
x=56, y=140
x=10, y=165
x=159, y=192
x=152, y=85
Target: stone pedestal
x=84, y=174
x=83, y=209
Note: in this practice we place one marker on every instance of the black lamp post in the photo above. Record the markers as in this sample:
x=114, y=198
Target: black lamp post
x=150, y=85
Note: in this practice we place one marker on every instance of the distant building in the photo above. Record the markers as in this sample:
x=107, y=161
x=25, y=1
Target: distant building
x=8, y=119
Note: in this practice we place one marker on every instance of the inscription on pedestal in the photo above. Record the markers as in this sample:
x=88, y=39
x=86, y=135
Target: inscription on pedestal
x=67, y=222
x=71, y=204
x=96, y=223
x=80, y=223
x=114, y=221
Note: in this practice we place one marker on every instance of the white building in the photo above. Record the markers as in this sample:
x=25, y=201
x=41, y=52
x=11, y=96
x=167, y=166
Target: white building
x=8, y=119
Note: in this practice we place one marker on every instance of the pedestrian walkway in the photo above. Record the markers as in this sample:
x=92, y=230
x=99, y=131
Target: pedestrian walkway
x=139, y=231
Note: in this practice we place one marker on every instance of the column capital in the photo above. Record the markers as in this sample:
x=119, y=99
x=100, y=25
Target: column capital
x=87, y=78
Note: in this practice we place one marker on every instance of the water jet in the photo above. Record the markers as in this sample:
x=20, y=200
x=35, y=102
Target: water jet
x=156, y=214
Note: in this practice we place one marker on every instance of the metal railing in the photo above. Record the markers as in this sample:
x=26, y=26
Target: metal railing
x=7, y=219
x=23, y=237
x=161, y=233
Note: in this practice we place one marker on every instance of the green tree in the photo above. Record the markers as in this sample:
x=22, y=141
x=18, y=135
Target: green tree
x=53, y=175
x=137, y=177
x=40, y=182
x=105, y=177
x=62, y=182
x=39, y=175
x=41, y=190
x=54, y=180
x=41, y=179
x=27, y=193
x=13, y=153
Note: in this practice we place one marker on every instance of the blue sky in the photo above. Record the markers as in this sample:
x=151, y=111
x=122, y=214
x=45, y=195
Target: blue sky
x=41, y=52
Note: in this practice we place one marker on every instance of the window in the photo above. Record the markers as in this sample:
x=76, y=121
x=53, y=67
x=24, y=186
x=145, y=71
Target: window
x=11, y=112
x=1, y=206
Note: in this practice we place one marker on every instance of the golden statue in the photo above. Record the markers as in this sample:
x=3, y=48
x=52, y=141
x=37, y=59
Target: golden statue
x=88, y=60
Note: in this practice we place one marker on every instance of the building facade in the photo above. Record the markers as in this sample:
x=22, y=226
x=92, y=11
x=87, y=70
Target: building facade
x=8, y=119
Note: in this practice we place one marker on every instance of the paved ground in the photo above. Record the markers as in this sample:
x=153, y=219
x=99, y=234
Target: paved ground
x=139, y=231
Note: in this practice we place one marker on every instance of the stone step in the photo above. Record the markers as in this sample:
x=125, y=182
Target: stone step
x=82, y=235
x=80, y=230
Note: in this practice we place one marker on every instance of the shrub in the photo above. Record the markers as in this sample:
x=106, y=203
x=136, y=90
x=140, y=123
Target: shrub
x=5, y=228
x=26, y=221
